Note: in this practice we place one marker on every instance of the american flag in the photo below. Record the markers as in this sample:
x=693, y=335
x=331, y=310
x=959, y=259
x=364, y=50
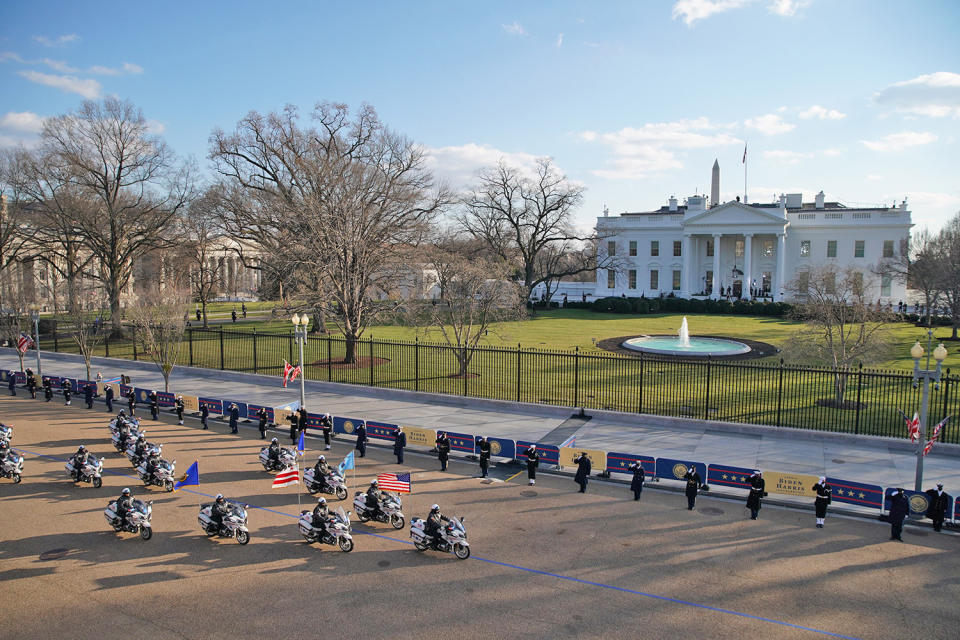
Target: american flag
x=913, y=426
x=290, y=372
x=290, y=475
x=24, y=343
x=396, y=482
x=936, y=434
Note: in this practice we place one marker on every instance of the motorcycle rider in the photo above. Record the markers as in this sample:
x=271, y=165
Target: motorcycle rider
x=321, y=470
x=273, y=452
x=373, y=499
x=79, y=460
x=320, y=516
x=153, y=461
x=140, y=448
x=123, y=429
x=217, y=510
x=434, y=522
x=4, y=450
x=124, y=505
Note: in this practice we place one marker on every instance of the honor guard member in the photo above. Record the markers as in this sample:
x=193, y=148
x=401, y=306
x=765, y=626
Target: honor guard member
x=484, y=445
x=694, y=483
x=302, y=419
x=154, y=405
x=824, y=497
x=47, y=389
x=898, y=511
x=67, y=387
x=204, y=414
x=12, y=383
x=583, y=471
x=32, y=384
x=108, y=397
x=533, y=461
x=938, y=502
x=757, y=493
x=636, y=483
x=361, y=445
x=399, y=443
x=88, y=393
x=326, y=425
x=443, y=449
x=132, y=402
x=262, y=417
x=234, y=417
x=179, y=405
x=294, y=419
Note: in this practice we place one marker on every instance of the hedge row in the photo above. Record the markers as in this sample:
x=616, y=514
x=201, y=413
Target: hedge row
x=683, y=305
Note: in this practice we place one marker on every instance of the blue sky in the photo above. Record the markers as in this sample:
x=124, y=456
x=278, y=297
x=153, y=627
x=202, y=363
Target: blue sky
x=632, y=99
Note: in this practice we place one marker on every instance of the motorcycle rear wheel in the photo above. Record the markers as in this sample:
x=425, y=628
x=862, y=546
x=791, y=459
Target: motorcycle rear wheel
x=341, y=493
x=312, y=489
x=346, y=544
x=396, y=521
x=363, y=517
x=419, y=546
x=243, y=537
x=461, y=551
x=146, y=533
x=97, y=483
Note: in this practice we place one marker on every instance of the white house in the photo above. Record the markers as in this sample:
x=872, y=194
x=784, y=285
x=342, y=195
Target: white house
x=705, y=249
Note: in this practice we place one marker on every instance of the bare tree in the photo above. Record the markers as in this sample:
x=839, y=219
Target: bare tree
x=87, y=319
x=160, y=322
x=128, y=176
x=918, y=265
x=343, y=203
x=14, y=320
x=15, y=235
x=528, y=221
x=948, y=243
x=202, y=233
x=840, y=328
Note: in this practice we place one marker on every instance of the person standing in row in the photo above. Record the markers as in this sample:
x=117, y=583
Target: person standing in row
x=294, y=419
x=67, y=387
x=824, y=497
x=302, y=418
x=361, y=445
x=234, y=418
x=204, y=414
x=12, y=384
x=533, y=461
x=88, y=393
x=938, y=502
x=694, y=483
x=154, y=405
x=483, y=444
x=399, y=443
x=32, y=384
x=755, y=498
x=636, y=483
x=179, y=405
x=443, y=449
x=132, y=402
x=108, y=397
x=326, y=425
x=898, y=512
x=583, y=471
x=47, y=389
x=262, y=416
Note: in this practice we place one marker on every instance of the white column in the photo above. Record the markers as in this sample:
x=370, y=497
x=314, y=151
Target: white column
x=715, y=293
x=781, y=265
x=686, y=283
x=747, y=265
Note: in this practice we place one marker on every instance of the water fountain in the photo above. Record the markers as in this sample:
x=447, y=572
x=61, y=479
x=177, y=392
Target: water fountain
x=683, y=345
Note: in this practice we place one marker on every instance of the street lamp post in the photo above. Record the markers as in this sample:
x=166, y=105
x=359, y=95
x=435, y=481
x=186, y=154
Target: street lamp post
x=300, y=323
x=35, y=314
x=927, y=375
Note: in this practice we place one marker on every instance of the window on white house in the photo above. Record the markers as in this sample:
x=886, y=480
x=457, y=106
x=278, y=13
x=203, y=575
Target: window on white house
x=611, y=279
x=632, y=278
x=804, y=248
x=654, y=279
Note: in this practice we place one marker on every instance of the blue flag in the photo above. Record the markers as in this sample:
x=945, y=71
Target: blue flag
x=300, y=447
x=190, y=478
x=346, y=464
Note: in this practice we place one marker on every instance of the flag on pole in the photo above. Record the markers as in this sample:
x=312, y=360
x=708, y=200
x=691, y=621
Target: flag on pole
x=935, y=436
x=294, y=372
x=913, y=426
x=290, y=372
x=190, y=478
x=290, y=475
x=397, y=482
x=24, y=343
x=346, y=464
x=300, y=447
x=744, y=153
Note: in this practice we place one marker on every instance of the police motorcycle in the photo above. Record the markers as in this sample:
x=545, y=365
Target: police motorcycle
x=389, y=509
x=138, y=518
x=333, y=483
x=234, y=522
x=12, y=467
x=6, y=432
x=337, y=532
x=119, y=443
x=92, y=471
x=131, y=451
x=452, y=537
x=162, y=475
x=286, y=459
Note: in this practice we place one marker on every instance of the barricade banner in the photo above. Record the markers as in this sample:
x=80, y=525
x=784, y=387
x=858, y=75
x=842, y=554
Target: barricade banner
x=956, y=509
x=790, y=484
x=347, y=426
x=618, y=463
x=461, y=442
x=501, y=447
x=282, y=416
x=858, y=493
x=381, y=430
x=54, y=381
x=212, y=404
x=124, y=390
x=191, y=403
x=549, y=454
x=598, y=459
x=676, y=469
x=420, y=437
x=21, y=377
x=727, y=476
x=116, y=391
x=918, y=501
x=165, y=399
x=252, y=412
x=142, y=395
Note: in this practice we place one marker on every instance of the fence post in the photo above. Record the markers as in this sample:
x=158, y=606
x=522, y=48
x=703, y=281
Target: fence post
x=190, y=342
x=370, y=345
x=518, y=372
x=640, y=399
x=106, y=345
x=134, y=337
x=946, y=396
x=290, y=345
x=329, y=358
x=576, y=377
x=416, y=363
x=856, y=422
x=254, y=350
x=780, y=393
x=56, y=347
x=464, y=354
x=221, y=347
x=706, y=404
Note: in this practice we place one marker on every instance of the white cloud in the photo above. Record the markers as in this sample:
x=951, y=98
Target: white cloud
x=821, y=113
x=693, y=10
x=934, y=94
x=787, y=8
x=57, y=42
x=559, y=40
x=8, y=56
x=641, y=151
x=156, y=127
x=514, y=29
x=900, y=141
x=786, y=157
x=22, y=121
x=71, y=84
x=114, y=71
x=56, y=65
x=769, y=124
x=458, y=165
x=833, y=152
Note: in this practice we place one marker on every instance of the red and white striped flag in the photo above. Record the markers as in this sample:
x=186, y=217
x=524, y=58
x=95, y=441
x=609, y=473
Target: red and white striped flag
x=290, y=475
x=936, y=435
x=913, y=426
x=396, y=482
x=290, y=372
x=24, y=343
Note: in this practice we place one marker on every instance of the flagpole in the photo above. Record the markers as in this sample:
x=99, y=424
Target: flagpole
x=744, y=172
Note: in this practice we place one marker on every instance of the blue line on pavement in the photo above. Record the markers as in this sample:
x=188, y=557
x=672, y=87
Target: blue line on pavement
x=533, y=571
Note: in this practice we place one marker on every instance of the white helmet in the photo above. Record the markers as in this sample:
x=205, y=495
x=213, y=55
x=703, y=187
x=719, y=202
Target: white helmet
x=321, y=501
x=435, y=507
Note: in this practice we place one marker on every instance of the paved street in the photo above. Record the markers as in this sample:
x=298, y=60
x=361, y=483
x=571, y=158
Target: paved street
x=547, y=562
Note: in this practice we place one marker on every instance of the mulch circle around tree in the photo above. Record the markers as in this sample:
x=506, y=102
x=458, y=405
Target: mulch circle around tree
x=360, y=363
x=846, y=405
x=757, y=349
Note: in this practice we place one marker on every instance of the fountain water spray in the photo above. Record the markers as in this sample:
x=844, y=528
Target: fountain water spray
x=684, y=333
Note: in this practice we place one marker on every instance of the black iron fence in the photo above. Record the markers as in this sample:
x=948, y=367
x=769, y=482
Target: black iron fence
x=758, y=393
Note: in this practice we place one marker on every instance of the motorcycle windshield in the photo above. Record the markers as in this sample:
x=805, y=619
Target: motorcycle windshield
x=141, y=506
x=238, y=511
x=456, y=524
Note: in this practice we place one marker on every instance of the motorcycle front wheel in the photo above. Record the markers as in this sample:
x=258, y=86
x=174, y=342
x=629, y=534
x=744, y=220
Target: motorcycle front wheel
x=146, y=533
x=396, y=521
x=346, y=544
x=243, y=537
x=97, y=483
x=341, y=493
x=168, y=485
x=461, y=551
x=16, y=478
